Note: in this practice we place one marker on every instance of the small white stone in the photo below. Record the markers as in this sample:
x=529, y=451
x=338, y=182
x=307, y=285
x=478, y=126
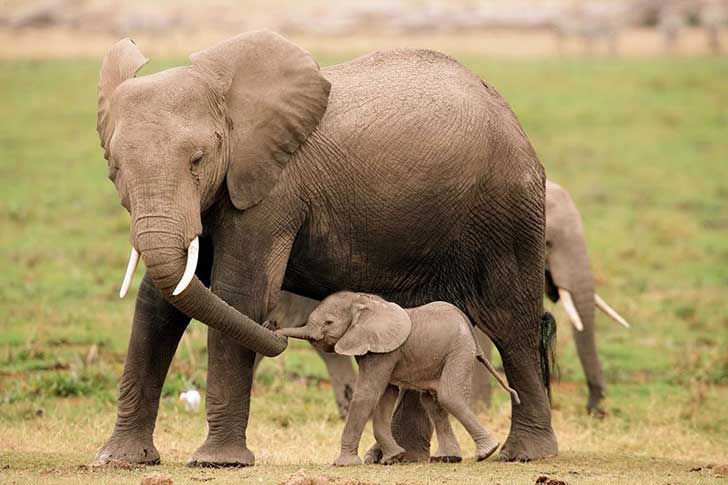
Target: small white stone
x=191, y=399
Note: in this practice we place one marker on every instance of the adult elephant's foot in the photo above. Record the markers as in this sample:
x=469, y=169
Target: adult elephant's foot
x=128, y=449
x=528, y=446
x=222, y=455
x=411, y=456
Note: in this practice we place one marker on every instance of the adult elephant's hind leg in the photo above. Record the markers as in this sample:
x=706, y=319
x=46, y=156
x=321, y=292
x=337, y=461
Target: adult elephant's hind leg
x=510, y=310
x=156, y=332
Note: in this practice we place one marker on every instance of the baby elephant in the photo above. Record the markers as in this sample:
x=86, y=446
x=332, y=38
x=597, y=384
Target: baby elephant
x=430, y=348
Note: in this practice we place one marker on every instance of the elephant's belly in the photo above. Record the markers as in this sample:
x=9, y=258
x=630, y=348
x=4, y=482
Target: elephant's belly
x=421, y=379
x=331, y=255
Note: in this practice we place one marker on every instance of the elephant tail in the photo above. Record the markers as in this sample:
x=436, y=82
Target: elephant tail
x=547, y=348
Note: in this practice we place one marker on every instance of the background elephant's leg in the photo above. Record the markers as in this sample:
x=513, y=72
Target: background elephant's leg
x=448, y=448
x=480, y=400
x=586, y=348
x=343, y=379
x=411, y=427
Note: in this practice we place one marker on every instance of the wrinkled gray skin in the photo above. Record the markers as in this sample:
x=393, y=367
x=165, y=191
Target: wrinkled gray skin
x=568, y=266
x=399, y=173
x=431, y=349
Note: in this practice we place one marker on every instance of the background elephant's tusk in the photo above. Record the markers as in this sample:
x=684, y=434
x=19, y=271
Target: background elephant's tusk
x=130, y=269
x=568, y=303
x=193, y=253
x=609, y=311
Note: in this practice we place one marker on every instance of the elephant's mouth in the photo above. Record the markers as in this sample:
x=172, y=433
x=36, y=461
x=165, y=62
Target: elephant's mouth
x=193, y=255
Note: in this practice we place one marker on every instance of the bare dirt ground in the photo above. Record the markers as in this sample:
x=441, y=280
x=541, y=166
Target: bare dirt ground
x=66, y=43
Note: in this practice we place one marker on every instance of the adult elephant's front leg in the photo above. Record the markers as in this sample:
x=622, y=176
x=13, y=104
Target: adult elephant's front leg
x=156, y=331
x=229, y=380
x=250, y=262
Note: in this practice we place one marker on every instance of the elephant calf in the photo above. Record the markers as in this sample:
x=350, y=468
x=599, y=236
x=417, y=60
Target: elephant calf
x=430, y=348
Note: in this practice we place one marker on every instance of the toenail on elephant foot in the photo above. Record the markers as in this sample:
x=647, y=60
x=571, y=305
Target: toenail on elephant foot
x=222, y=456
x=446, y=459
x=131, y=450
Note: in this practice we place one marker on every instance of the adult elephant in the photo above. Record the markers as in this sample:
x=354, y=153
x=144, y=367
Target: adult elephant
x=569, y=280
x=399, y=173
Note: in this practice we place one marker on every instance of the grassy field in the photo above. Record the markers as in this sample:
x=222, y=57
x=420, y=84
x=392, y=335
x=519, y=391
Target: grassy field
x=642, y=147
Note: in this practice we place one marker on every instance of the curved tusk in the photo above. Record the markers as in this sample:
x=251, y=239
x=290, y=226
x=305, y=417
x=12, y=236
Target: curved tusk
x=570, y=308
x=130, y=269
x=193, y=253
x=609, y=311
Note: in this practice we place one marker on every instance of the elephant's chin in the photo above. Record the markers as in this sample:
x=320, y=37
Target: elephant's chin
x=323, y=346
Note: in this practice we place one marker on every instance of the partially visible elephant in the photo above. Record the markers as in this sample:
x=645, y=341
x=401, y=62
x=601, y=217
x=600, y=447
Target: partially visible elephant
x=252, y=170
x=569, y=279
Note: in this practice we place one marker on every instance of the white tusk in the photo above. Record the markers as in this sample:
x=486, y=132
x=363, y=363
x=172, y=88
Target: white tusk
x=130, y=269
x=193, y=252
x=611, y=312
x=568, y=303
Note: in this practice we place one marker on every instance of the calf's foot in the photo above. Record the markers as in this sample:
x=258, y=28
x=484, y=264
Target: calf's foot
x=485, y=448
x=217, y=455
x=347, y=459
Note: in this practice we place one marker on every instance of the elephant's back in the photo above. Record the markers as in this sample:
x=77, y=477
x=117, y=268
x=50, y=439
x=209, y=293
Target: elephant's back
x=417, y=100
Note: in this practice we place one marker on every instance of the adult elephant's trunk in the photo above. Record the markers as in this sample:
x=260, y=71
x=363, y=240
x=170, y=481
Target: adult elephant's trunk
x=164, y=249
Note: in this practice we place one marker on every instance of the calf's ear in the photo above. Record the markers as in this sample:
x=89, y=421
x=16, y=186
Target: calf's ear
x=377, y=326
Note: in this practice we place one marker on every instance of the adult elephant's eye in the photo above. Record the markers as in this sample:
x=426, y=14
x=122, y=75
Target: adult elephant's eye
x=197, y=158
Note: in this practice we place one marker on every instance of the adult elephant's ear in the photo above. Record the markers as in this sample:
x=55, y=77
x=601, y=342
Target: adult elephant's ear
x=122, y=62
x=377, y=326
x=274, y=95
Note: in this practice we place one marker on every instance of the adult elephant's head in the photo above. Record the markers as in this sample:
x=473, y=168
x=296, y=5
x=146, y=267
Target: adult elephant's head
x=177, y=140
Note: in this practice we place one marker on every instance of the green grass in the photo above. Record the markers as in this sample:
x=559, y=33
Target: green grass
x=642, y=147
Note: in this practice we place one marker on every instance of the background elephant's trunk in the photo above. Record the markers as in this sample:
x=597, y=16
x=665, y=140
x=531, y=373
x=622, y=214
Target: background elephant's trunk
x=163, y=247
x=570, y=269
x=296, y=332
